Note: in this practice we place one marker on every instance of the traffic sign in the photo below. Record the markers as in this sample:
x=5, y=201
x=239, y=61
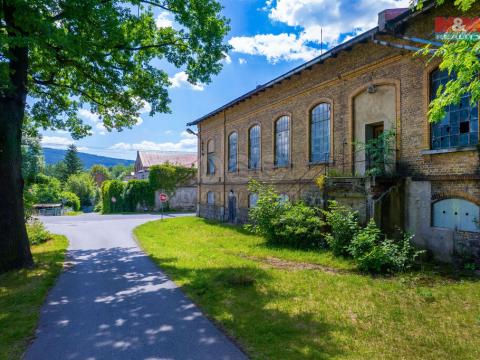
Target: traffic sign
x=163, y=197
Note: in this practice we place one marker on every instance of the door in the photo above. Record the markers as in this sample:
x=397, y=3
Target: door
x=232, y=208
x=375, y=156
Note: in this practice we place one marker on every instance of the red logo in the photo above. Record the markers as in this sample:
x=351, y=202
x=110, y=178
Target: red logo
x=457, y=24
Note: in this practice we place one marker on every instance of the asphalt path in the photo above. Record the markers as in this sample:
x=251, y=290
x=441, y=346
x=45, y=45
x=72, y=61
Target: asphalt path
x=113, y=302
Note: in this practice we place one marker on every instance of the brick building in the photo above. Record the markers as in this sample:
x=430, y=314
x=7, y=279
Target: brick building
x=306, y=123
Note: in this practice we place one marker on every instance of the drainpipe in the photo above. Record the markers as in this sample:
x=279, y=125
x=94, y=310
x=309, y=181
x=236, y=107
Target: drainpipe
x=224, y=164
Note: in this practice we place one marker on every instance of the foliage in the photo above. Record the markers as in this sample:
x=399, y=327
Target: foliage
x=57, y=170
x=343, y=225
x=112, y=196
x=70, y=199
x=22, y=294
x=118, y=172
x=295, y=312
x=459, y=57
x=83, y=186
x=32, y=154
x=378, y=153
x=320, y=181
x=46, y=190
x=167, y=177
x=100, y=169
x=284, y=223
x=374, y=253
x=37, y=234
x=138, y=192
x=73, y=164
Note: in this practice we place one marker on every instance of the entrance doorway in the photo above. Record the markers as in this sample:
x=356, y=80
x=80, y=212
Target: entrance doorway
x=375, y=154
x=232, y=207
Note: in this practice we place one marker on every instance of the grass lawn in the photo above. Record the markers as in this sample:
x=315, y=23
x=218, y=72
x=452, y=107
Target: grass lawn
x=288, y=304
x=22, y=293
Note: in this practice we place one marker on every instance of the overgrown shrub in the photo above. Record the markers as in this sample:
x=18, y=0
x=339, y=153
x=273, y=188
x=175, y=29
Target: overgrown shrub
x=138, y=192
x=282, y=222
x=83, y=186
x=112, y=196
x=47, y=190
x=374, y=253
x=343, y=224
x=71, y=200
x=167, y=177
x=37, y=234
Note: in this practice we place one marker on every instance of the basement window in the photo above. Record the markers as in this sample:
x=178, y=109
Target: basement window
x=456, y=214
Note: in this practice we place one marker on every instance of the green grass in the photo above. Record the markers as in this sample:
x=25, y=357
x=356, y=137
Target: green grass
x=280, y=311
x=22, y=293
x=73, y=213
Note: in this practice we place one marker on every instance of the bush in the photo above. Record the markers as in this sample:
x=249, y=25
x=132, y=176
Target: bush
x=282, y=222
x=83, y=186
x=343, y=225
x=375, y=254
x=112, y=190
x=37, y=234
x=138, y=192
x=47, y=190
x=71, y=200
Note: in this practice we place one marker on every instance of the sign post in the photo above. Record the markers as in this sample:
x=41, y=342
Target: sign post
x=163, y=199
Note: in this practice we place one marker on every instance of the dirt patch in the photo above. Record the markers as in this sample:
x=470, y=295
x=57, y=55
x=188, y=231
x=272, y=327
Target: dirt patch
x=292, y=265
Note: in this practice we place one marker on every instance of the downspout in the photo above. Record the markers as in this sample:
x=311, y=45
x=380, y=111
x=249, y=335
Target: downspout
x=224, y=164
x=199, y=162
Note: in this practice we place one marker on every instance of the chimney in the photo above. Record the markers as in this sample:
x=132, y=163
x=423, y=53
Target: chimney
x=387, y=15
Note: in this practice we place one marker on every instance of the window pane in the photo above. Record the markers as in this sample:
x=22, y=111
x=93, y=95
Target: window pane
x=320, y=133
x=232, y=152
x=282, y=141
x=254, y=147
x=459, y=127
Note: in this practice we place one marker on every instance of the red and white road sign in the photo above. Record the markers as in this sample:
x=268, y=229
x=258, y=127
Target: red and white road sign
x=163, y=197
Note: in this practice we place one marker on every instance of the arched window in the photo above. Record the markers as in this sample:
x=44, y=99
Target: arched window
x=232, y=152
x=252, y=200
x=282, y=141
x=211, y=198
x=320, y=133
x=254, y=147
x=456, y=214
x=459, y=127
x=210, y=157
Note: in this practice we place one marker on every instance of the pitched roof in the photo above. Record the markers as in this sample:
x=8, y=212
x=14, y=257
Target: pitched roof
x=389, y=20
x=150, y=158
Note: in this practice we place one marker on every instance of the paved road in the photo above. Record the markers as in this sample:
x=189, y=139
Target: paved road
x=114, y=303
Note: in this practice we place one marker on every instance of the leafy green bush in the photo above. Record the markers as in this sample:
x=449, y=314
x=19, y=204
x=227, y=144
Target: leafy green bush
x=71, y=200
x=37, y=234
x=138, y=192
x=83, y=186
x=282, y=222
x=47, y=190
x=167, y=177
x=375, y=254
x=343, y=224
x=112, y=196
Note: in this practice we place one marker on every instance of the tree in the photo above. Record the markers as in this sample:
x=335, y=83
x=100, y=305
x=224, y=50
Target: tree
x=167, y=177
x=119, y=171
x=97, y=55
x=460, y=57
x=32, y=154
x=99, y=174
x=73, y=164
x=82, y=185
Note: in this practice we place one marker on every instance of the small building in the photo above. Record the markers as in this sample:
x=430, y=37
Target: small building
x=48, y=209
x=307, y=122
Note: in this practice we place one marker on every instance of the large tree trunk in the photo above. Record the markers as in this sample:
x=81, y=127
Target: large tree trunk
x=14, y=246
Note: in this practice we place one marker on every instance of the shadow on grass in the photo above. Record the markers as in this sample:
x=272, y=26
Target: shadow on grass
x=241, y=301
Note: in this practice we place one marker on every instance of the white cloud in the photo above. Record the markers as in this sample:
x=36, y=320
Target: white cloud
x=187, y=142
x=180, y=79
x=316, y=20
x=242, y=61
x=82, y=148
x=168, y=132
x=164, y=19
x=56, y=142
x=274, y=47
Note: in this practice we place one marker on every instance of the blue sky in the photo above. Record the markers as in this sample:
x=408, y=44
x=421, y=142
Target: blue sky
x=269, y=37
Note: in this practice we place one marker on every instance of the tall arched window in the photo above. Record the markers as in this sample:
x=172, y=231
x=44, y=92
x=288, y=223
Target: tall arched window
x=211, y=198
x=232, y=152
x=254, y=147
x=210, y=157
x=282, y=141
x=320, y=133
x=459, y=127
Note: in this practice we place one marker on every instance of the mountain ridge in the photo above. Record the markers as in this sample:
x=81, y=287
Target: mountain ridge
x=53, y=156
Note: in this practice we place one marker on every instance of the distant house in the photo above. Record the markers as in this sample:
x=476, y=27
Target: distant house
x=185, y=197
x=147, y=159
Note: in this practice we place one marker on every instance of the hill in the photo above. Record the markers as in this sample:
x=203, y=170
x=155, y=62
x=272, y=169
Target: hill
x=53, y=156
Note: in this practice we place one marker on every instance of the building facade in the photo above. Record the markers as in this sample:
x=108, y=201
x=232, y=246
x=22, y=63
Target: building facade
x=310, y=121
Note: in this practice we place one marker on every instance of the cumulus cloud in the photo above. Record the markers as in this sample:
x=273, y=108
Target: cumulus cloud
x=315, y=20
x=242, y=61
x=164, y=19
x=188, y=142
x=56, y=142
x=180, y=79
